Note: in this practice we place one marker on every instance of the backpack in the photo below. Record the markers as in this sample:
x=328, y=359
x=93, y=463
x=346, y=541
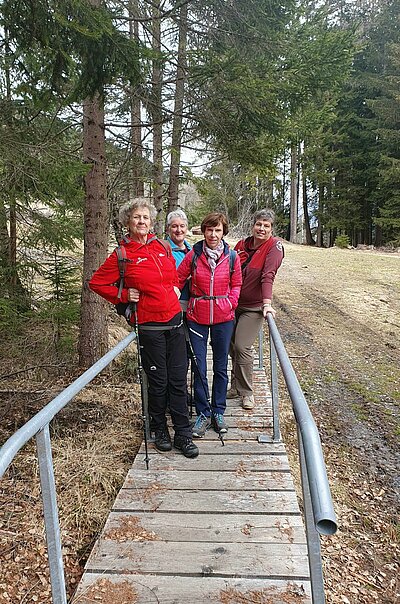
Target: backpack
x=124, y=308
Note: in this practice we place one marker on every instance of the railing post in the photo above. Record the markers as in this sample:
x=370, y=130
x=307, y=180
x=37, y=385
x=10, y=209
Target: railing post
x=274, y=391
x=51, y=516
x=260, y=349
x=313, y=538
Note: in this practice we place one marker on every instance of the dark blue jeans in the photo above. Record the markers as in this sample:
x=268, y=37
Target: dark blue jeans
x=220, y=334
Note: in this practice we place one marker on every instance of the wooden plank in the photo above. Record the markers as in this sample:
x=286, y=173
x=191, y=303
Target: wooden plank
x=258, y=411
x=243, y=421
x=214, y=528
x=151, y=589
x=272, y=560
x=237, y=448
x=213, y=463
x=209, y=481
x=157, y=498
x=239, y=433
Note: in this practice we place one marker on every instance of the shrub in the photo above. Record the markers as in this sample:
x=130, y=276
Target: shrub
x=342, y=241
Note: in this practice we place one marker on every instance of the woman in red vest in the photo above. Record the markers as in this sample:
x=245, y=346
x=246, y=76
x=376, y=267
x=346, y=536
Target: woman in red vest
x=150, y=281
x=260, y=255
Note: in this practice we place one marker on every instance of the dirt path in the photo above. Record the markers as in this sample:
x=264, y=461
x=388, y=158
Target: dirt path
x=339, y=316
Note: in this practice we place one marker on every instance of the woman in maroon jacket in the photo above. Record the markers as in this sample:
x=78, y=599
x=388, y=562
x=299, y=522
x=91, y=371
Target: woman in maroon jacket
x=150, y=281
x=214, y=291
x=260, y=256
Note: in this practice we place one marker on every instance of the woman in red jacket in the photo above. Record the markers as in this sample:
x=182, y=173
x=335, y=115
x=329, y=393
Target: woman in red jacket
x=150, y=281
x=214, y=293
x=260, y=255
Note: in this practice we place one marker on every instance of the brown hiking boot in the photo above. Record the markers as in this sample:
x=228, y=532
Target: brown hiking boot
x=232, y=393
x=248, y=402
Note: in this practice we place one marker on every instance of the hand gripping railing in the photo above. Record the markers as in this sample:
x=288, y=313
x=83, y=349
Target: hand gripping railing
x=318, y=508
x=38, y=426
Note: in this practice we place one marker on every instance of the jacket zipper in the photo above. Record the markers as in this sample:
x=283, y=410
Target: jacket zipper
x=211, y=294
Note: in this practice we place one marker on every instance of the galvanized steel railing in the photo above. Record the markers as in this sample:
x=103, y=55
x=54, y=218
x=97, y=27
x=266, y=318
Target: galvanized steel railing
x=319, y=515
x=38, y=427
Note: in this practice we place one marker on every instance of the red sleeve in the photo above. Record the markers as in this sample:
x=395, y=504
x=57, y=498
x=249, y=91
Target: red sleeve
x=272, y=263
x=105, y=279
x=236, y=282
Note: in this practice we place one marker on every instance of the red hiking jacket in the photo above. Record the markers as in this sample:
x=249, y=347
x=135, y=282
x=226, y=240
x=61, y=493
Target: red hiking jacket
x=223, y=286
x=150, y=270
x=259, y=273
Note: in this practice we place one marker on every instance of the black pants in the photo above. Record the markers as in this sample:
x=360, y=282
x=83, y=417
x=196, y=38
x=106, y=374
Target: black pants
x=164, y=360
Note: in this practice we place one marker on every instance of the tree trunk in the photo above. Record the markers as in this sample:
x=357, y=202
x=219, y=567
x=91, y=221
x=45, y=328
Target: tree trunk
x=378, y=236
x=309, y=237
x=157, y=114
x=136, y=131
x=178, y=109
x=293, y=194
x=94, y=333
x=9, y=279
x=320, y=234
x=8, y=246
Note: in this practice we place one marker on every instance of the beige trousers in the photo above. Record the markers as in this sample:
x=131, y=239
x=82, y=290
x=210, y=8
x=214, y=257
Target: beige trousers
x=248, y=324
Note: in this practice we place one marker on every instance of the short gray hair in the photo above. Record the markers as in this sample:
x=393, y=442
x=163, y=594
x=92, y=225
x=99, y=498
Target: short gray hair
x=132, y=205
x=266, y=214
x=177, y=214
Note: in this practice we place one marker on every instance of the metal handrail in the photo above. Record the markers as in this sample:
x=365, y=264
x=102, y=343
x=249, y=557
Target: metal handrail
x=38, y=426
x=319, y=514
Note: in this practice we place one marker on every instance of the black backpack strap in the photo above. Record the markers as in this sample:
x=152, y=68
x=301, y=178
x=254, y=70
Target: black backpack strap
x=232, y=258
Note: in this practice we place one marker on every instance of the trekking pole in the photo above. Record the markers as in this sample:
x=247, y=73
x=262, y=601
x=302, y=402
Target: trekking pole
x=142, y=393
x=188, y=349
x=193, y=358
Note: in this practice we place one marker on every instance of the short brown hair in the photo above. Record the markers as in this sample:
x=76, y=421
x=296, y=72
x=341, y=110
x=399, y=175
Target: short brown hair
x=214, y=219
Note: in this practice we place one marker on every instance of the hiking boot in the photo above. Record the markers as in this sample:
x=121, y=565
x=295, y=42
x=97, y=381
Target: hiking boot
x=201, y=425
x=232, y=393
x=248, y=402
x=162, y=440
x=219, y=423
x=186, y=445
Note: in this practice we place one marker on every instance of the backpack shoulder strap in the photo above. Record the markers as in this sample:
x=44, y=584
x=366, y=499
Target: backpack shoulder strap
x=122, y=260
x=232, y=258
x=166, y=246
x=193, y=263
x=163, y=242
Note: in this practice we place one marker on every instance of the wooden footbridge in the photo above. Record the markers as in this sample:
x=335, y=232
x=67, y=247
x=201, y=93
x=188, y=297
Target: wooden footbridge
x=224, y=527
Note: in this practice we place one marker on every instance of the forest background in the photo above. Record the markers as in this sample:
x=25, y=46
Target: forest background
x=102, y=101
x=292, y=105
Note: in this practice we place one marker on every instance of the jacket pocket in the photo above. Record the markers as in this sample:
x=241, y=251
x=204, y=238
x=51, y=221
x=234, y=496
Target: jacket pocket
x=223, y=310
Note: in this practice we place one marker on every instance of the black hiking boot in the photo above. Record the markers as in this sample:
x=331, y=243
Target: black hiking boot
x=162, y=440
x=186, y=445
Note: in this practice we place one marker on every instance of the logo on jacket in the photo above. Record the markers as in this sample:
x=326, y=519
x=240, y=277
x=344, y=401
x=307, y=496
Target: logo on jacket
x=279, y=245
x=139, y=260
